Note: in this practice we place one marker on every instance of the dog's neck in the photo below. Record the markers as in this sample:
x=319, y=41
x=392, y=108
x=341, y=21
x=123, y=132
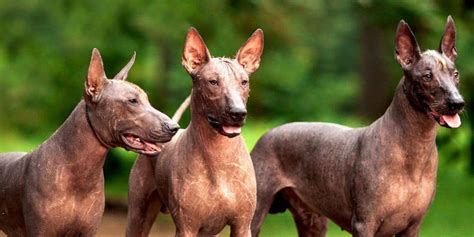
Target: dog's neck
x=212, y=144
x=410, y=132
x=410, y=121
x=75, y=147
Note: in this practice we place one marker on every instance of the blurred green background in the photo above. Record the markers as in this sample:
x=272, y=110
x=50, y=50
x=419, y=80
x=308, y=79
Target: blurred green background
x=323, y=61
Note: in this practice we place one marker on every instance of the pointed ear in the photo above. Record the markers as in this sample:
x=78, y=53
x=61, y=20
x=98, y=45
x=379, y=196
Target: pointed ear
x=195, y=53
x=96, y=78
x=447, y=45
x=249, y=54
x=407, y=50
x=123, y=74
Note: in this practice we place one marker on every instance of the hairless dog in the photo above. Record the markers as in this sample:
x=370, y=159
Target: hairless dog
x=372, y=181
x=58, y=189
x=204, y=177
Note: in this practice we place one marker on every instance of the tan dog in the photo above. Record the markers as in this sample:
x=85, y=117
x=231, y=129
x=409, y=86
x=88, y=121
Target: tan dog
x=204, y=176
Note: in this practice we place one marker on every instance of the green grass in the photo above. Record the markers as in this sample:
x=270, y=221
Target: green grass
x=451, y=214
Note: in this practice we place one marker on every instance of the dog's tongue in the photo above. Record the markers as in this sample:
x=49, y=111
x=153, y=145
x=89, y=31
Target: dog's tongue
x=231, y=129
x=453, y=121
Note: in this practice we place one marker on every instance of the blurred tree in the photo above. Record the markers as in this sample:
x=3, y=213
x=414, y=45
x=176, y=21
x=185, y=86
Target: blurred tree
x=323, y=60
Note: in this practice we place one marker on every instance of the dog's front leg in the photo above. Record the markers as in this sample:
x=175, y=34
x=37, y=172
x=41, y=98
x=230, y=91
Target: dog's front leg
x=240, y=228
x=143, y=202
x=412, y=230
x=363, y=227
x=185, y=232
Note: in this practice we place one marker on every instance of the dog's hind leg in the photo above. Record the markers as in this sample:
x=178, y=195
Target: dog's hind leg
x=264, y=203
x=307, y=222
x=143, y=201
x=269, y=182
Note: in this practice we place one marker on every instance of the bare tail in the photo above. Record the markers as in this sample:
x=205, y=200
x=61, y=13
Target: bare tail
x=179, y=113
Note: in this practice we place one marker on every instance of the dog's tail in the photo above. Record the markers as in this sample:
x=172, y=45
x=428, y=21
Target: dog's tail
x=179, y=113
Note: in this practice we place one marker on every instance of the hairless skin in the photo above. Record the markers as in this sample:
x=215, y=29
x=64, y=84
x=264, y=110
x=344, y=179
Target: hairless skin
x=372, y=181
x=58, y=188
x=204, y=177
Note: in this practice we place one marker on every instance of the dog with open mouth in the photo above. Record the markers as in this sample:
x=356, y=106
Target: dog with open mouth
x=58, y=188
x=377, y=180
x=204, y=177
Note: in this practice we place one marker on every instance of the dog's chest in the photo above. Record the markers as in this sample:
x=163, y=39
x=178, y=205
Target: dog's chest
x=69, y=211
x=404, y=202
x=211, y=197
x=216, y=191
x=214, y=205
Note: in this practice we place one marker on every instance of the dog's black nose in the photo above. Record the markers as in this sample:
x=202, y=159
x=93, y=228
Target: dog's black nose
x=171, y=127
x=238, y=114
x=456, y=104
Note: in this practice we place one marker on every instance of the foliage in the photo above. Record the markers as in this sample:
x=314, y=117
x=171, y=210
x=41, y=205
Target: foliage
x=312, y=67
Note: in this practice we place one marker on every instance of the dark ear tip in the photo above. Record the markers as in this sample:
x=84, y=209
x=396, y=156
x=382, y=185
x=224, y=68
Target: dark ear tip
x=403, y=28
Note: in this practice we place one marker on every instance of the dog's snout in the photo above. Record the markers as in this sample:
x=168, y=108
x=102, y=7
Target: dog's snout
x=238, y=113
x=456, y=104
x=171, y=127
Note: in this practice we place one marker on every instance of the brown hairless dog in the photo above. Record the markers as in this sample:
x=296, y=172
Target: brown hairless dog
x=372, y=181
x=204, y=177
x=58, y=189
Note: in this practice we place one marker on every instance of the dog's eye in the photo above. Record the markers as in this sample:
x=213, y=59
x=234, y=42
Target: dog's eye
x=245, y=82
x=214, y=82
x=427, y=76
x=456, y=74
x=133, y=101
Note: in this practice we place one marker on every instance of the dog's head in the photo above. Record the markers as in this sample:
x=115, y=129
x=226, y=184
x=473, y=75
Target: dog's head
x=431, y=78
x=221, y=85
x=120, y=113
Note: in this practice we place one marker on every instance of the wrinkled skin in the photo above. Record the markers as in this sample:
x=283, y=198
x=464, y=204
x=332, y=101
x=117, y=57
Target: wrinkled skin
x=58, y=188
x=372, y=181
x=204, y=177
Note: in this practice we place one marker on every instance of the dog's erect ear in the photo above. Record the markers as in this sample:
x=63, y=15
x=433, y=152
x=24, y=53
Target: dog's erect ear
x=123, y=74
x=195, y=53
x=447, y=45
x=96, y=78
x=249, y=54
x=407, y=50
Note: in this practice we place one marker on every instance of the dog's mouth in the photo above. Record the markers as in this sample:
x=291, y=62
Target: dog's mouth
x=447, y=120
x=230, y=131
x=140, y=145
